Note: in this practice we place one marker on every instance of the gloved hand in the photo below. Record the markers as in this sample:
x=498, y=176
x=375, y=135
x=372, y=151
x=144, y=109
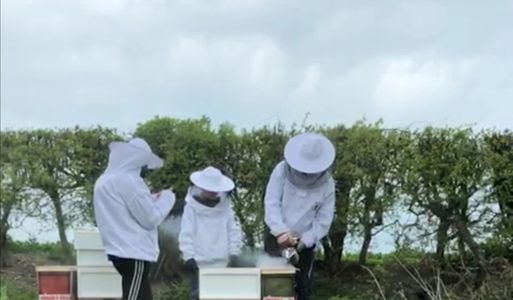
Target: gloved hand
x=233, y=261
x=191, y=265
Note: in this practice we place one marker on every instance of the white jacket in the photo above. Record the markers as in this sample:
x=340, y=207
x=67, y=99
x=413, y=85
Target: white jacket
x=307, y=212
x=209, y=234
x=127, y=214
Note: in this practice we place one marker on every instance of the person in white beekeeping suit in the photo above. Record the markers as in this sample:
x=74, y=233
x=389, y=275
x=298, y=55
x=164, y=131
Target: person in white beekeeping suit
x=128, y=214
x=300, y=204
x=210, y=235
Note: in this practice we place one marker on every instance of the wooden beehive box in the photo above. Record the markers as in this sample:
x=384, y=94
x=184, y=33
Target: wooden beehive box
x=278, y=283
x=56, y=282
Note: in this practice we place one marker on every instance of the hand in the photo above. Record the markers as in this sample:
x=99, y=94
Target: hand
x=172, y=198
x=286, y=240
x=191, y=265
x=233, y=261
x=294, y=239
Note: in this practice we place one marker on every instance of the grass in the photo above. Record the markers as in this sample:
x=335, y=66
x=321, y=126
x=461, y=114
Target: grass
x=408, y=256
x=42, y=252
x=31, y=246
x=10, y=290
x=337, y=289
x=171, y=291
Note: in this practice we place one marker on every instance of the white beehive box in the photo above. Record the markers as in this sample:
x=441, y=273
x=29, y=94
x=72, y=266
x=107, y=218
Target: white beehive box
x=88, y=239
x=92, y=258
x=89, y=248
x=98, y=282
x=96, y=277
x=229, y=283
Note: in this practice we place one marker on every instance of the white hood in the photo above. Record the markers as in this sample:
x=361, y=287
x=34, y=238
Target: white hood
x=126, y=159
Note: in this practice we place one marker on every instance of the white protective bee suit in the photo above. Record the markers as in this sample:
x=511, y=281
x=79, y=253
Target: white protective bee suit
x=126, y=212
x=209, y=235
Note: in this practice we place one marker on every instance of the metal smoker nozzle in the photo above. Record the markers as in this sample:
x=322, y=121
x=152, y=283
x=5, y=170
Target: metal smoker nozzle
x=291, y=255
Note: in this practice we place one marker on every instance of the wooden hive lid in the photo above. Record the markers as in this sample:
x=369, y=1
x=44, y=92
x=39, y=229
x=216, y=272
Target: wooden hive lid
x=278, y=270
x=55, y=268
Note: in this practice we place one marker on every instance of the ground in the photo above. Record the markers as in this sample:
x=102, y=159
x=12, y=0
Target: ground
x=386, y=278
x=18, y=280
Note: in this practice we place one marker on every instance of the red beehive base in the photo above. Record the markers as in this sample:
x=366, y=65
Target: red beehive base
x=55, y=282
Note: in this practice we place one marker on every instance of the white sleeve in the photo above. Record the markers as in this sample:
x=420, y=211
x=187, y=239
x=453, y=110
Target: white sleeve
x=323, y=219
x=273, y=194
x=143, y=206
x=235, y=235
x=187, y=234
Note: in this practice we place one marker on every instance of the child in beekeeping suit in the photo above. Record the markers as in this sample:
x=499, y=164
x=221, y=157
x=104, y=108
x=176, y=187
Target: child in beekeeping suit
x=300, y=203
x=128, y=214
x=209, y=234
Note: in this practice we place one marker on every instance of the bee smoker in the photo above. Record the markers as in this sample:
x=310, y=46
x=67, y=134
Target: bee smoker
x=291, y=255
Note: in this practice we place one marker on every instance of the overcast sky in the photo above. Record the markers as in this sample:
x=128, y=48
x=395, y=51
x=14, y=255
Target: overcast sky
x=256, y=62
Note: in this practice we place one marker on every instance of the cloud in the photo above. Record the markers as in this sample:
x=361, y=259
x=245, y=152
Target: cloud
x=409, y=83
x=254, y=62
x=309, y=83
x=120, y=62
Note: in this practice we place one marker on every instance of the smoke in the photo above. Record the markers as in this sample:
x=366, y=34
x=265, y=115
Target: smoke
x=260, y=259
x=170, y=227
x=266, y=261
x=169, y=230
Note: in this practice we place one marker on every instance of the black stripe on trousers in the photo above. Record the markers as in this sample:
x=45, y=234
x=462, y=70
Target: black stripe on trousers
x=134, y=278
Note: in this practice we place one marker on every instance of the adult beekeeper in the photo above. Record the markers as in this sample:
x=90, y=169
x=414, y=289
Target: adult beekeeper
x=128, y=214
x=300, y=203
x=210, y=235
